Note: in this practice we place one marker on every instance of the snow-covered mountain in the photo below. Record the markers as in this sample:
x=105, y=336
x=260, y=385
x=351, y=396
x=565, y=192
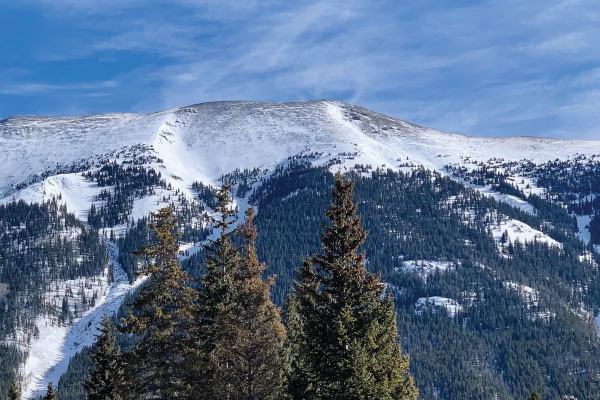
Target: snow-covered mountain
x=207, y=140
x=43, y=158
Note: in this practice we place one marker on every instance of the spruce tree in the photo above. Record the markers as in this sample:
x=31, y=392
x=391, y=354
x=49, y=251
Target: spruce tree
x=221, y=262
x=215, y=294
x=50, y=392
x=107, y=379
x=534, y=396
x=162, y=317
x=251, y=335
x=15, y=391
x=343, y=334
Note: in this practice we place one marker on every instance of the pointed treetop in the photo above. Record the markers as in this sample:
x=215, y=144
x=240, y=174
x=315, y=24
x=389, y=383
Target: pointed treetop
x=534, y=396
x=50, y=392
x=248, y=230
x=224, y=209
x=345, y=224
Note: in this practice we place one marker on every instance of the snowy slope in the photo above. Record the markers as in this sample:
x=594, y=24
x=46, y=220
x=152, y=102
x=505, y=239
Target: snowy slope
x=203, y=141
x=51, y=352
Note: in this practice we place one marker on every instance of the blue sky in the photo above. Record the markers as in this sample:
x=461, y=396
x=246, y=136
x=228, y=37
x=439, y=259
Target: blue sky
x=488, y=68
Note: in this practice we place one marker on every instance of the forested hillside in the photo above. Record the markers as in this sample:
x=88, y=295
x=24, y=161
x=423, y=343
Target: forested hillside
x=478, y=312
x=46, y=256
x=488, y=247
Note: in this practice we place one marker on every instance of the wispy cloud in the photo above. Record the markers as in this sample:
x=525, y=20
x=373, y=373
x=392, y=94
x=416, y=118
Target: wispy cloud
x=30, y=88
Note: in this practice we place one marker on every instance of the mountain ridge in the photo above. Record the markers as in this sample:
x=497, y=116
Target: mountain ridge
x=280, y=130
x=13, y=119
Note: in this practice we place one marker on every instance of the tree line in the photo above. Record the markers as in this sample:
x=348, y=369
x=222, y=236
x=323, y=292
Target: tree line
x=219, y=336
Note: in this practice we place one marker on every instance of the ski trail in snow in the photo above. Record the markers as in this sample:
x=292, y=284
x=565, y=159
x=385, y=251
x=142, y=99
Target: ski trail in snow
x=60, y=344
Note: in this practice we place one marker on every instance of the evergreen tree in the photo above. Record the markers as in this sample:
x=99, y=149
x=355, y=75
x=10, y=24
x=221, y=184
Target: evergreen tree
x=50, y=392
x=215, y=288
x=162, y=317
x=344, y=339
x=222, y=259
x=250, y=336
x=15, y=391
x=534, y=396
x=107, y=379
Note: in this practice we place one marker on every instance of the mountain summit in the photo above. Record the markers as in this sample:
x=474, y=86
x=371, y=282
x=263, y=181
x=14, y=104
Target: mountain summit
x=211, y=139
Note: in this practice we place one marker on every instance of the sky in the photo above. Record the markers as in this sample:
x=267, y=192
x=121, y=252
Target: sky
x=484, y=68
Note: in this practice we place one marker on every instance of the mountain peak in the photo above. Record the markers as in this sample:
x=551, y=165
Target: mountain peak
x=218, y=137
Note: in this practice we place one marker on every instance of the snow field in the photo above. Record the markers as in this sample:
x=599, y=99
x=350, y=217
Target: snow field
x=451, y=306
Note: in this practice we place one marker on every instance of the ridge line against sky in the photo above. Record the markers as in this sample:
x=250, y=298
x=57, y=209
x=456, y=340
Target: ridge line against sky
x=485, y=68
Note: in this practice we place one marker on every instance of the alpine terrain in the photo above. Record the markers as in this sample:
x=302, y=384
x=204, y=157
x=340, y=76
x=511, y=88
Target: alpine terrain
x=489, y=246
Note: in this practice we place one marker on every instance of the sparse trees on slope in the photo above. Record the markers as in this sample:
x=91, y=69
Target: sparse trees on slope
x=342, y=325
x=250, y=338
x=163, y=318
x=107, y=379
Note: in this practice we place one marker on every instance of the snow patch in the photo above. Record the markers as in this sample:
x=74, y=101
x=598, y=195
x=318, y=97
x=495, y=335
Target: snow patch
x=451, y=306
x=529, y=295
x=424, y=268
x=583, y=227
x=518, y=231
x=73, y=190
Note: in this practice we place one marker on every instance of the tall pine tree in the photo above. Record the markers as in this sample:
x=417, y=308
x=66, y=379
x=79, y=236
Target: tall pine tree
x=215, y=295
x=107, y=379
x=343, y=334
x=162, y=317
x=221, y=262
x=251, y=335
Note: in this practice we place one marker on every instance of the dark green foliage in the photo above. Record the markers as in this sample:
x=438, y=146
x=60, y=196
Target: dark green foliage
x=222, y=259
x=189, y=220
x=10, y=359
x=81, y=365
x=127, y=184
x=419, y=216
x=14, y=392
x=500, y=344
x=39, y=245
x=215, y=293
x=50, y=392
x=534, y=396
x=162, y=315
x=343, y=344
x=248, y=351
x=206, y=194
x=136, y=237
x=594, y=227
x=71, y=382
x=107, y=380
x=573, y=184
